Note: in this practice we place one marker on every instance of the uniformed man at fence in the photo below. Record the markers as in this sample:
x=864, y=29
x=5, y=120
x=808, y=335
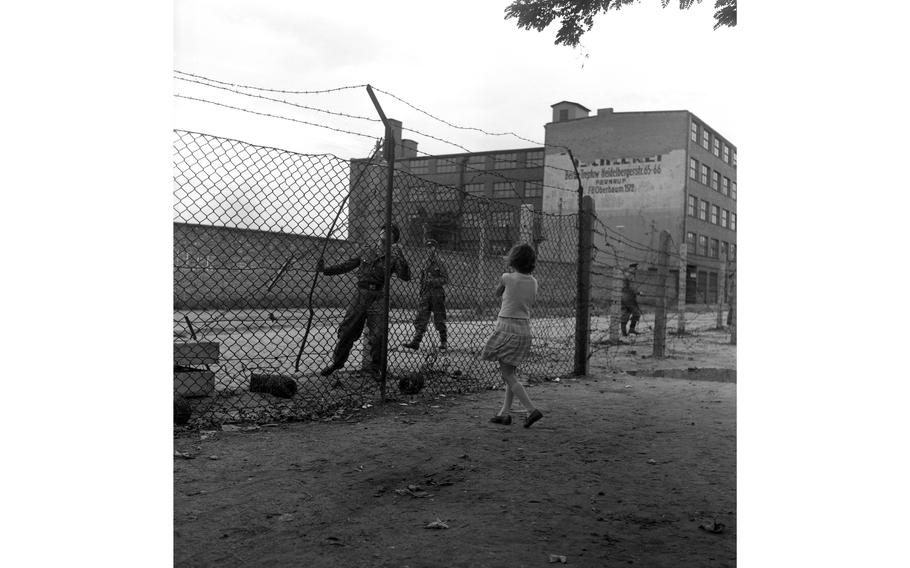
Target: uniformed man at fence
x=629, y=303
x=433, y=277
x=367, y=305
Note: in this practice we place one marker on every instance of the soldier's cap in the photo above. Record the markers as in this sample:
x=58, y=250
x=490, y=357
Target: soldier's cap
x=431, y=243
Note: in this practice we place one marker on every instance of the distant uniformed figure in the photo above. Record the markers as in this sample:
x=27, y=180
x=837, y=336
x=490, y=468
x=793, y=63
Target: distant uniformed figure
x=367, y=305
x=433, y=276
x=629, y=304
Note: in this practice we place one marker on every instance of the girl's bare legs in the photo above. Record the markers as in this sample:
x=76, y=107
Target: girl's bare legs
x=513, y=387
x=507, y=402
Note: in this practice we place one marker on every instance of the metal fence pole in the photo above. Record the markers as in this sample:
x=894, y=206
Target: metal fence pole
x=386, y=324
x=733, y=307
x=583, y=297
x=660, y=316
x=721, y=288
x=681, y=297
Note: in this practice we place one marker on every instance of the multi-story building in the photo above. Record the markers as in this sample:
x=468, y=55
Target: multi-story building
x=648, y=172
x=472, y=201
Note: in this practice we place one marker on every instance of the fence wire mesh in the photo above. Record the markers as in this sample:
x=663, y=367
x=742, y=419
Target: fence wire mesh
x=697, y=312
x=255, y=322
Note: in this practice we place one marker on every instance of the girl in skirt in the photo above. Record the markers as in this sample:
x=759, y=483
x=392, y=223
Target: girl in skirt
x=510, y=343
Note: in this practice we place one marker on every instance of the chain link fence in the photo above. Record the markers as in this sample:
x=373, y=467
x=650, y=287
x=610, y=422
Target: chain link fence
x=255, y=322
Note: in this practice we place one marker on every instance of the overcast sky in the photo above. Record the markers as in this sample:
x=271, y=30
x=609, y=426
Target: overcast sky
x=460, y=61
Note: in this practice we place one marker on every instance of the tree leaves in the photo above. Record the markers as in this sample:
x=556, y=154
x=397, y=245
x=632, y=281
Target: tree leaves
x=577, y=16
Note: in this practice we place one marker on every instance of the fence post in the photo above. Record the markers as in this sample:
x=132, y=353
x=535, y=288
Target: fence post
x=681, y=298
x=583, y=294
x=615, y=302
x=733, y=307
x=660, y=315
x=721, y=288
x=386, y=282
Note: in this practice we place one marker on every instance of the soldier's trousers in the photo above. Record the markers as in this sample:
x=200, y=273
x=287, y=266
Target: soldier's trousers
x=630, y=310
x=365, y=309
x=433, y=301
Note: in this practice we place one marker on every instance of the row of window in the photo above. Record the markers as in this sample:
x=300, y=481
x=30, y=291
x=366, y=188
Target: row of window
x=712, y=143
x=702, y=245
x=701, y=209
x=506, y=189
x=504, y=161
x=712, y=178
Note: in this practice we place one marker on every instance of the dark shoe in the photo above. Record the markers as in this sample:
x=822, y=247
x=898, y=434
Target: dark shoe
x=329, y=370
x=533, y=417
x=413, y=344
x=504, y=420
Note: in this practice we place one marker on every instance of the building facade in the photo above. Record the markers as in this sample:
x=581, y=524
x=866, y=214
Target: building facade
x=648, y=172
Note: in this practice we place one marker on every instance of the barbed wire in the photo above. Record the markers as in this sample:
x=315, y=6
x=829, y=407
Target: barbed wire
x=179, y=96
x=290, y=92
x=282, y=101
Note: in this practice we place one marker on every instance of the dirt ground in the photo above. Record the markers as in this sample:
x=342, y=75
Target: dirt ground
x=621, y=470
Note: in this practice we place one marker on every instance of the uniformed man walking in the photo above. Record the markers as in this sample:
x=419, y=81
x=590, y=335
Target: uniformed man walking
x=367, y=304
x=629, y=304
x=433, y=277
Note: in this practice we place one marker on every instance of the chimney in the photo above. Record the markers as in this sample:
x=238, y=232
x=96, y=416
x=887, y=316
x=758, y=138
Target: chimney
x=604, y=111
x=408, y=149
x=396, y=132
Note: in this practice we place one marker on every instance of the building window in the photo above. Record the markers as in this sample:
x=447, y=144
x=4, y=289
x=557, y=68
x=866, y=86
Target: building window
x=693, y=131
x=723, y=250
x=723, y=218
x=725, y=186
x=732, y=251
x=703, y=245
x=715, y=245
x=704, y=174
x=714, y=214
x=475, y=188
x=534, y=159
x=477, y=164
x=734, y=157
x=533, y=189
x=504, y=189
x=692, y=204
x=445, y=165
x=716, y=149
x=715, y=180
x=726, y=154
x=703, y=210
x=733, y=190
x=705, y=139
x=563, y=115
x=690, y=243
x=732, y=221
x=504, y=161
x=420, y=166
x=693, y=168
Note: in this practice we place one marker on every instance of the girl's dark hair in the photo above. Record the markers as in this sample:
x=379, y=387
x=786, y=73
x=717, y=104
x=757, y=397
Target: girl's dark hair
x=523, y=258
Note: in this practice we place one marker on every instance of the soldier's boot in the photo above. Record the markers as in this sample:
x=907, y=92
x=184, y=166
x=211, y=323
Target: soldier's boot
x=632, y=325
x=443, y=345
x=414, y=343
x=623, y=326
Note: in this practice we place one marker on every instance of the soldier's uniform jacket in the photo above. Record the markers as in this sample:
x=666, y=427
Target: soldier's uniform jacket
x=372, y=266
x=433, y=276
x=629, y=292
